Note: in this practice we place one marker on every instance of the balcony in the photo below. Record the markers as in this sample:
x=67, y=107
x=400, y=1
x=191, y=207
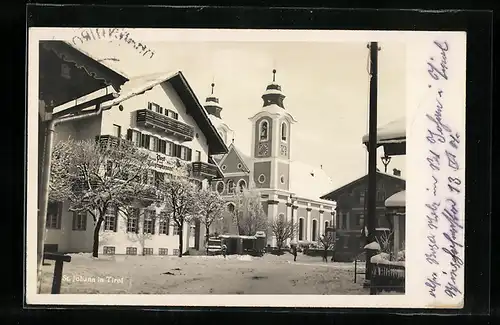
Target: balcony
x=110, y=141
x=203, y=169
x=158, y=122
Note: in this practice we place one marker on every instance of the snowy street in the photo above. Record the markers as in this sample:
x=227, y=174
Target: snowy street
x=205, y=275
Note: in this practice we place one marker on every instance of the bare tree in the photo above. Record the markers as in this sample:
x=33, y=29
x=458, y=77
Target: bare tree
x=248, y=213
x=98, y=177
x=180, y=203
x=327, y=242
x=282, y=229
x=211, y=209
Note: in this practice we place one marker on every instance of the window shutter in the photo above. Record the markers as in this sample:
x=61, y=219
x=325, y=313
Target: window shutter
x=153, y=225
x=137, y=215
x=129, y=134
x=150, y=105
x=116, y=218
x=189, y=151
x=74, y=220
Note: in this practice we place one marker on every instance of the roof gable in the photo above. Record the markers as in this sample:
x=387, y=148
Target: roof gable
x=333, y=195
x=232, y=159
x=199, y=114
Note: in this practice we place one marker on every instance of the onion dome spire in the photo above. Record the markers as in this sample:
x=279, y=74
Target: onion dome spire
x=273, y=94
x=212, y=104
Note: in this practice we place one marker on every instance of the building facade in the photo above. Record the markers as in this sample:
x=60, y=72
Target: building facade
x=351, y=210
x=169, y=122
x=287, y=187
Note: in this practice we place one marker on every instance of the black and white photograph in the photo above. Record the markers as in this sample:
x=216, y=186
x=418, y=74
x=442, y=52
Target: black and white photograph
x=227, y=165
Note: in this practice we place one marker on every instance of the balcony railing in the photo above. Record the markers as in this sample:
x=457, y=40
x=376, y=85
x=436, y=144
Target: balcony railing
x=110, y=141
x=203, y=169
x=172, y=127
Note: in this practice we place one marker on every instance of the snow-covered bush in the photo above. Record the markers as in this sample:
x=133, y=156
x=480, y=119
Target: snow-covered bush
x=401, y=256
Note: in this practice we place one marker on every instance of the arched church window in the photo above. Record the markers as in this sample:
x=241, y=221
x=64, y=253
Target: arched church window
x=283, y=131
x=315, y=230
x=220, y=187
x=242, y=185
x=264, y=131
x=230, y=186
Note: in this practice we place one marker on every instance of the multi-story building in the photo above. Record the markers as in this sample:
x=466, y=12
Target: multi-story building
x=287, y=187
x=167, y=119
x=351, y=210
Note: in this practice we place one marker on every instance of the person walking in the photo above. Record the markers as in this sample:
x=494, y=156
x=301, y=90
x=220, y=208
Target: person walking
x=224, y=250
x=294, y=252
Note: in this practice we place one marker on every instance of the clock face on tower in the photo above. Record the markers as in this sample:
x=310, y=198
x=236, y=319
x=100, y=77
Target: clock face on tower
x=283, y=150
x=263, y=149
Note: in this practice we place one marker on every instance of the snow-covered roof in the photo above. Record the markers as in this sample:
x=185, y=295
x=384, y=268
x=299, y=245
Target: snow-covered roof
x=274, y=110
x=396, y=200
x=309, y=182
x=392, y=132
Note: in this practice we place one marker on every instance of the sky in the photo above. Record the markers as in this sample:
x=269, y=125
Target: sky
x=326, y=86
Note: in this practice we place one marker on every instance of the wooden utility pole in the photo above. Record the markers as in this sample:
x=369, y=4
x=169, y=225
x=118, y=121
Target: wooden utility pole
x=372, y=154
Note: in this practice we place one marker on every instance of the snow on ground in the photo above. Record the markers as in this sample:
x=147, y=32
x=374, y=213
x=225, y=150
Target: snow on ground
x=205, y=275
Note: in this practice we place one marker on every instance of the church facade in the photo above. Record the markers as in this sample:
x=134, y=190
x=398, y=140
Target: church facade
x=287, y=187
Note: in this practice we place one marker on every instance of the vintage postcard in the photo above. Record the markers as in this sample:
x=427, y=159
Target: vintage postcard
x=171, y=167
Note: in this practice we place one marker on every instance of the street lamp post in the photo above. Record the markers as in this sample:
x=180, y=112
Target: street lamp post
x=386, y=160
x=293, y=222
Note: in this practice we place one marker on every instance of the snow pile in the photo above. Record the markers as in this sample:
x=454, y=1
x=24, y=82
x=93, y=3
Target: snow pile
x=401, y=256
x=383, y=258
x=373, y=245
x=244, y=258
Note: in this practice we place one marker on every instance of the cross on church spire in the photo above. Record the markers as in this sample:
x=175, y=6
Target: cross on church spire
x=274, y=75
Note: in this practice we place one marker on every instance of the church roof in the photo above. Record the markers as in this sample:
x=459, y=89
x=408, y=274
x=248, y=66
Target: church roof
x=309, y=182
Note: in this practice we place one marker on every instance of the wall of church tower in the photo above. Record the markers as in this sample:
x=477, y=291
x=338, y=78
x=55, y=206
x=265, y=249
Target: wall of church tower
x=260, y=145
x=262, y=174
x=283, y=176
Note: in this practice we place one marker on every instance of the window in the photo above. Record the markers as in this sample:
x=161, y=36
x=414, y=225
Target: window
x=362, y=197
x=198, y=155
x=164, y=227
x=149, y=222
x=150, y=106
x=380, y=195
x=133, y=220
x=54, y=212
x=176, y=251
x=145, y=141
x=282, y=179
x=326, y=225
x=230, y=186
x=301, y=229
x=153, y=144
x=360, y=218
x=169, y=149
x=185, y=153
x=283, y=131
x=344, y=220
x=162, y=146
x=315, y=230
x=159, y=109
x=131, y=251
x=176, y=230
x=239, y=166
x=147, y=251
x=117, y=131
x=224, y=167
x=262, y=178
x=80, y=220
x=263, y=131
x=110, y=218
x=230, y=207
x=220, y=187
x=134, y=136
x=162, y=251
x=172, y=114
x=108, y=250
x=242, y=185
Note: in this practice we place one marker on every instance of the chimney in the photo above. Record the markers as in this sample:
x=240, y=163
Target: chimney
x=396, y=172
